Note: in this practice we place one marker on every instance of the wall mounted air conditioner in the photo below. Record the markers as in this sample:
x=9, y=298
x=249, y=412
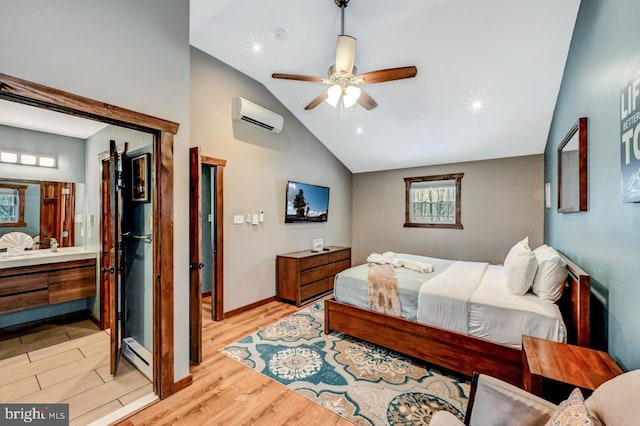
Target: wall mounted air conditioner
x=244, y=110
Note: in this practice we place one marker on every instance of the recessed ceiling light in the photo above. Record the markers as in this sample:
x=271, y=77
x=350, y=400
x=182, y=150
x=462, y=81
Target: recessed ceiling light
x=359, y=130
x=256, y=47
x=477, y=105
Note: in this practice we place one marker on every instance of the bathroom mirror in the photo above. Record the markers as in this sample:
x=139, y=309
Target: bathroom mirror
x=50, y=210
x=572, y=169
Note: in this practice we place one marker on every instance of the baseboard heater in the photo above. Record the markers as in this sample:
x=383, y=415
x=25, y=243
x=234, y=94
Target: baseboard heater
x=138, y=355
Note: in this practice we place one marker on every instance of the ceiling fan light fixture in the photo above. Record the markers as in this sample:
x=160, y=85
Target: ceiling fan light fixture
x=351, y=95
x=333, y=95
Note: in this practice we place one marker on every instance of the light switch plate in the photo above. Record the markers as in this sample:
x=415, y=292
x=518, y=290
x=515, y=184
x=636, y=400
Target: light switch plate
x=238, y=219
x=254, y=219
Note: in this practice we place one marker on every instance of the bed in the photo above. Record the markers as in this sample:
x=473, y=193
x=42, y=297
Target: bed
x=455, y=350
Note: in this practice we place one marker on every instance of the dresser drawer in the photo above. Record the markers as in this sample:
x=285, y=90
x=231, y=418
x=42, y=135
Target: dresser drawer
x=72, y=284
x=340, y=255
x=316, y=288
x=313, y=261
x=315, y=274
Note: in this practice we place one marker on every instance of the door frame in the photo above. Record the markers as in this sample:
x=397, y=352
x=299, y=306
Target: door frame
x=25, y=92
x=196, y=161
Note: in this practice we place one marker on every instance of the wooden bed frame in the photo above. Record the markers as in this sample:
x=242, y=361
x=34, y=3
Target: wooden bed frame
x=456, y=351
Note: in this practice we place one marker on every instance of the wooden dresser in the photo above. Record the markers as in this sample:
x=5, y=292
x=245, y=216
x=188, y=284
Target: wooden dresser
x=304, y=276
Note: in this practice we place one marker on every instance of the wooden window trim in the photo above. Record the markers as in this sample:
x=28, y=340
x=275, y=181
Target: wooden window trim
x=21, y=193
x=407, y=217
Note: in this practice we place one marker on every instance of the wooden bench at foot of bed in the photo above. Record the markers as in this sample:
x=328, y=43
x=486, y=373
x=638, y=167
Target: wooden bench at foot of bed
x=456, y=351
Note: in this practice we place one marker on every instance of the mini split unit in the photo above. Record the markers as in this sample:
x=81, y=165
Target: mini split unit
x=255, y=115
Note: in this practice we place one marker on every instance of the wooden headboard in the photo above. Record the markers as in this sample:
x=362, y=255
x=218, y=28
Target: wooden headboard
x=578, y=298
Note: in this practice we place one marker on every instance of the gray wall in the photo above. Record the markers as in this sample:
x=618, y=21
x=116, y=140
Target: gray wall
x=131, y=54
x=259, y=165
x=70, y=153
x=605, y=240
x=502, y=202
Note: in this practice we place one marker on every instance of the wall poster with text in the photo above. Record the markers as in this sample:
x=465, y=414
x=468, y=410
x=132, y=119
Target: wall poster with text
x=630, y=140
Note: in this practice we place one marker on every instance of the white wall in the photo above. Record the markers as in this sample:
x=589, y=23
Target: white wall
x=133, y=54
x=259, y=164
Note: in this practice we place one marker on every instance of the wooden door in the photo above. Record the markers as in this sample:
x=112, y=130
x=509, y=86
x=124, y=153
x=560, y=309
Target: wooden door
x=115, y=321
x=195, y=256
x=107, y=246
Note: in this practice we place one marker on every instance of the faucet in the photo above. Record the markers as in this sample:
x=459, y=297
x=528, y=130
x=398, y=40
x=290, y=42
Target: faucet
x=53, y=243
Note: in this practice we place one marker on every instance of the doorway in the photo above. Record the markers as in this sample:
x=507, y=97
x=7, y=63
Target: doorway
x=25, y=92
x=206, y=247
x=127, y=252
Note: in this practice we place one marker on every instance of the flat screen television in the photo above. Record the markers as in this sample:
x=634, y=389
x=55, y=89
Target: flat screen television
x=306, y=203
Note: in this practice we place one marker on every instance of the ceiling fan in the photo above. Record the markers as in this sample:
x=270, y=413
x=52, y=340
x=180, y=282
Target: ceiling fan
x=342, y=76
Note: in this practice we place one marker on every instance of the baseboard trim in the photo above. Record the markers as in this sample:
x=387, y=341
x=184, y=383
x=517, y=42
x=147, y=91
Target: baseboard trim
x=182, y=383
x=248, y=307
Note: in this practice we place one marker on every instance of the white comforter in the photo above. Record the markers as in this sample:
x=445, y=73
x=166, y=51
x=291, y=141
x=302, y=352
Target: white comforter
x=443, y=301
x=471, y=298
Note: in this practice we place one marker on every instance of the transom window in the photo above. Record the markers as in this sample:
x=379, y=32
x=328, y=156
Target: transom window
x=433, y=201
x=12, y=205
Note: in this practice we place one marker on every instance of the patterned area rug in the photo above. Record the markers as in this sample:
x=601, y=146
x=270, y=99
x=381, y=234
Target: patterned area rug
x=364, y=383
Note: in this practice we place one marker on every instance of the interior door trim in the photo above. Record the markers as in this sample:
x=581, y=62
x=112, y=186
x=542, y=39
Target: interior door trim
x=217, y=299
x=25, y=92
x=196, y=161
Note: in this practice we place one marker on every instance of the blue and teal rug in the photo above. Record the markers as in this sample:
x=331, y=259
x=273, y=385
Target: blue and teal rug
x=364, y=383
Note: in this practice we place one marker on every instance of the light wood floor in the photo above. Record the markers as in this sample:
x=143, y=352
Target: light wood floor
x=75, y=372
x=224, y=392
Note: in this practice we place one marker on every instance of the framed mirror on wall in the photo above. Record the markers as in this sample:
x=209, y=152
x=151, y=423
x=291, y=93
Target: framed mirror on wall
x=572, y=169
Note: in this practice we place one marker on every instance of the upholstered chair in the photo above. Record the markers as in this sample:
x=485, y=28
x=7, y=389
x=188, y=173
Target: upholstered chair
x=496, y=403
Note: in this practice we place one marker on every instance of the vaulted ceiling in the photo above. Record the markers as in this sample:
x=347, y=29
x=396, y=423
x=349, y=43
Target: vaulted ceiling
x=504, y=57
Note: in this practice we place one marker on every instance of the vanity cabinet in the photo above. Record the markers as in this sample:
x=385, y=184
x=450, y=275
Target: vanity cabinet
x=26, y=287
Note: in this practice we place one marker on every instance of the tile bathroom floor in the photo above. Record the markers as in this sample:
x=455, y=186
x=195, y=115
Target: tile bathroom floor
x=72, y=370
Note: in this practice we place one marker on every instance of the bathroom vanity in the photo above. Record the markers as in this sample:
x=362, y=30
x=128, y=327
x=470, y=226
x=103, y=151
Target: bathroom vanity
x=42, y=277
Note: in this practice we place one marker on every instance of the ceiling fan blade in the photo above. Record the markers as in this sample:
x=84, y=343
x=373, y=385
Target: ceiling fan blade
x=345, y=54
x=366, y=101
x=389, y=74
x=317, y=101
x=299, y=78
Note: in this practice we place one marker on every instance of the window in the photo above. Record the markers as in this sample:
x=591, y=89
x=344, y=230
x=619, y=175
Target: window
x=12, y=205
x=433, y=201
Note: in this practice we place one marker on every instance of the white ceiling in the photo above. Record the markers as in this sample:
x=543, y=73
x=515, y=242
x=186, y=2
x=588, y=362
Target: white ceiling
x=508, y=54
x=27, y=117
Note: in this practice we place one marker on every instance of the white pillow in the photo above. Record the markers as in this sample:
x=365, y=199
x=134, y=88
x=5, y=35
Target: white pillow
x=551, y=274
x=520, y=267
